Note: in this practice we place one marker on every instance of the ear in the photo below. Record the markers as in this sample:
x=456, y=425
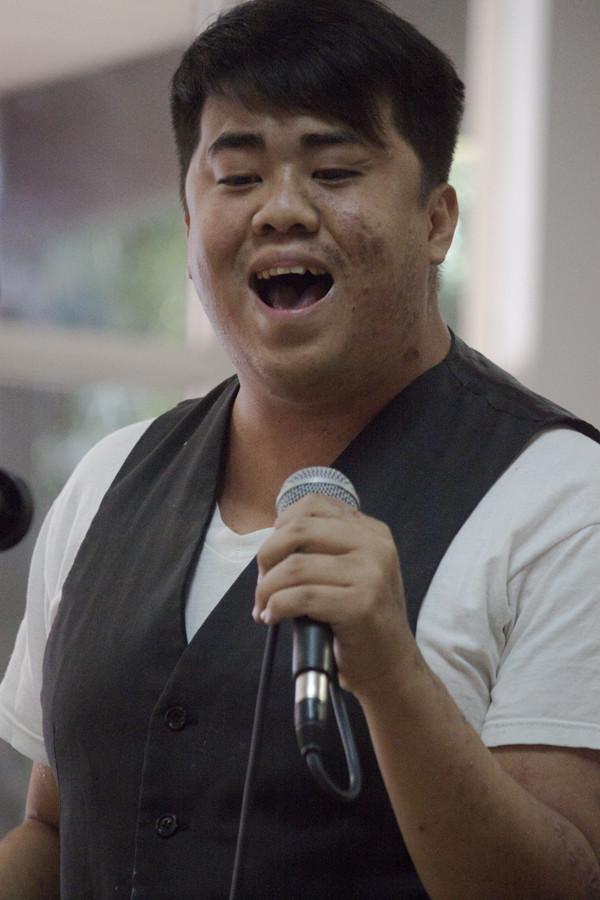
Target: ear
x=442, y=210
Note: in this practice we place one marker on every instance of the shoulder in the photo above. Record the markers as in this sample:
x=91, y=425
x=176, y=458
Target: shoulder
x=57, y=544
x=570, y=456
x=109, y=452
x=520, y=575
x=499, y=390
x=96, y=471
x=549, y=493
x=547, y=679
x=76, y=505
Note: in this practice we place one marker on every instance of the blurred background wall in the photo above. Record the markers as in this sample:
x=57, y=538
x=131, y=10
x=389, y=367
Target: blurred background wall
x=97, y=327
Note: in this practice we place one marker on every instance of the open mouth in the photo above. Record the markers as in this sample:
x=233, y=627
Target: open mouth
x=292, y=290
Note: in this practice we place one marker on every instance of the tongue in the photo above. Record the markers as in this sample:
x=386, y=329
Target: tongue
x=284, y=296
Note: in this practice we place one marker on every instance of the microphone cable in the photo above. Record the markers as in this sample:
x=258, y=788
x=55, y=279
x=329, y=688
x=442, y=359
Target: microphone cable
x=312, y=755
x=255, y=744
x=314, y=759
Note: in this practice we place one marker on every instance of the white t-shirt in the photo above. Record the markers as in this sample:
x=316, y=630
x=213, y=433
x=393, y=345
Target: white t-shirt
x=510, y=623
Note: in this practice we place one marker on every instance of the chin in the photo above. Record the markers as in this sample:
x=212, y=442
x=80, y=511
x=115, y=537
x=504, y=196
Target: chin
x=306, y=381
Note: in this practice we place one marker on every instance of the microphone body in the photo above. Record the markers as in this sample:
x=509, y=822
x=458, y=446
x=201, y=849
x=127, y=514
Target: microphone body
x=313, y=662
x=16, y=509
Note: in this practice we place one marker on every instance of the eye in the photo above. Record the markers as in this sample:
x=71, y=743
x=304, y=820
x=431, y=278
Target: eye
x=239, y=180
x=335, y=174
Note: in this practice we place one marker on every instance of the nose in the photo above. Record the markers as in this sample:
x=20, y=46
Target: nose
x=285, y=206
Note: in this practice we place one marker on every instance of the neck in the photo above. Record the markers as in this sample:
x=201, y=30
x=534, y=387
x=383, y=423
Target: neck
x=268, y=442
x=271, y=436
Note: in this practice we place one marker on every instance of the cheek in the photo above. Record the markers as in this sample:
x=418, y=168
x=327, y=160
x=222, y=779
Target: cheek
x=363, y=240
x=371, y=249
x=388, y=273
x=209, y=250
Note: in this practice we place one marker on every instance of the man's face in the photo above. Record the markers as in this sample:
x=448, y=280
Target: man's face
x=269, y=191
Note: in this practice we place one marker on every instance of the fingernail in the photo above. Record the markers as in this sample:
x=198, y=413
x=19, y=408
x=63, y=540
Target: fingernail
x=265, y=617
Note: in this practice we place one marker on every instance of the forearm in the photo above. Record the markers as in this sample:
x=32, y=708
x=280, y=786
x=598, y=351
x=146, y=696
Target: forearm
x=29, y=867
x=472, y=830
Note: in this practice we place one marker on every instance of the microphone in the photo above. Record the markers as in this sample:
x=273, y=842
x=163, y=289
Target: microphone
x=313, y=662
x=16, y=509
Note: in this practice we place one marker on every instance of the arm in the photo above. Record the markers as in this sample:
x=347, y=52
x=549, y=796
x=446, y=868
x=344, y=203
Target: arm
x=519, y=822
x=522, y=823
x=29, y=854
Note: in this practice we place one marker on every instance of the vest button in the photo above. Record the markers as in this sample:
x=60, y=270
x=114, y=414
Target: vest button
x=166, y=826
x=176, y=718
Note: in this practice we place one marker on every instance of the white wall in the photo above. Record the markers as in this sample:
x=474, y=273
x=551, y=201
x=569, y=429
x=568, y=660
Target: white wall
x=533, y=77
x=567, y=367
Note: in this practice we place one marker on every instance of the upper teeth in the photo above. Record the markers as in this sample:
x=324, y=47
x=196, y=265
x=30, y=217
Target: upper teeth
x=292, y=270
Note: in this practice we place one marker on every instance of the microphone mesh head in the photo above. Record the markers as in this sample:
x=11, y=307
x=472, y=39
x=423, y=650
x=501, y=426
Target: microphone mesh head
x=316, y=480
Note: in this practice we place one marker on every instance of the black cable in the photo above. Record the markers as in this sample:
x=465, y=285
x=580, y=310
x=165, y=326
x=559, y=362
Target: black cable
x=315, y=763
x=255, y=742
x=313, y=757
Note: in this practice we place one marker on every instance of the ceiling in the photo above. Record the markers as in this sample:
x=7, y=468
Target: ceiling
x=46, y=40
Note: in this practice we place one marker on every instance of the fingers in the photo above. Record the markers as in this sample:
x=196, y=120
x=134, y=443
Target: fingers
x=315, y=524
x=320, y=557
x=319, y=602
x=317, y=506
x=304, y=584
x=334, y=564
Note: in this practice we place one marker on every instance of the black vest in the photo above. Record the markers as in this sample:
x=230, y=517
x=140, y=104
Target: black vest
x=149, y=736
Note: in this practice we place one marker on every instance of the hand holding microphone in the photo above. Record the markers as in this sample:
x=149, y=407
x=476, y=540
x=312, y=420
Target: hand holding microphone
x=336, y=572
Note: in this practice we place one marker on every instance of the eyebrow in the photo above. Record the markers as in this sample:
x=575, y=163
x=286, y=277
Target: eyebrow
x=251, y=140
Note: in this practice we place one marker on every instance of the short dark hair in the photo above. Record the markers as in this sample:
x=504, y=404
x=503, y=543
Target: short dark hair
x=335, y=58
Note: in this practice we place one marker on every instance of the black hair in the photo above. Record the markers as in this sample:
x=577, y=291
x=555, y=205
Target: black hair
x=335, y=58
